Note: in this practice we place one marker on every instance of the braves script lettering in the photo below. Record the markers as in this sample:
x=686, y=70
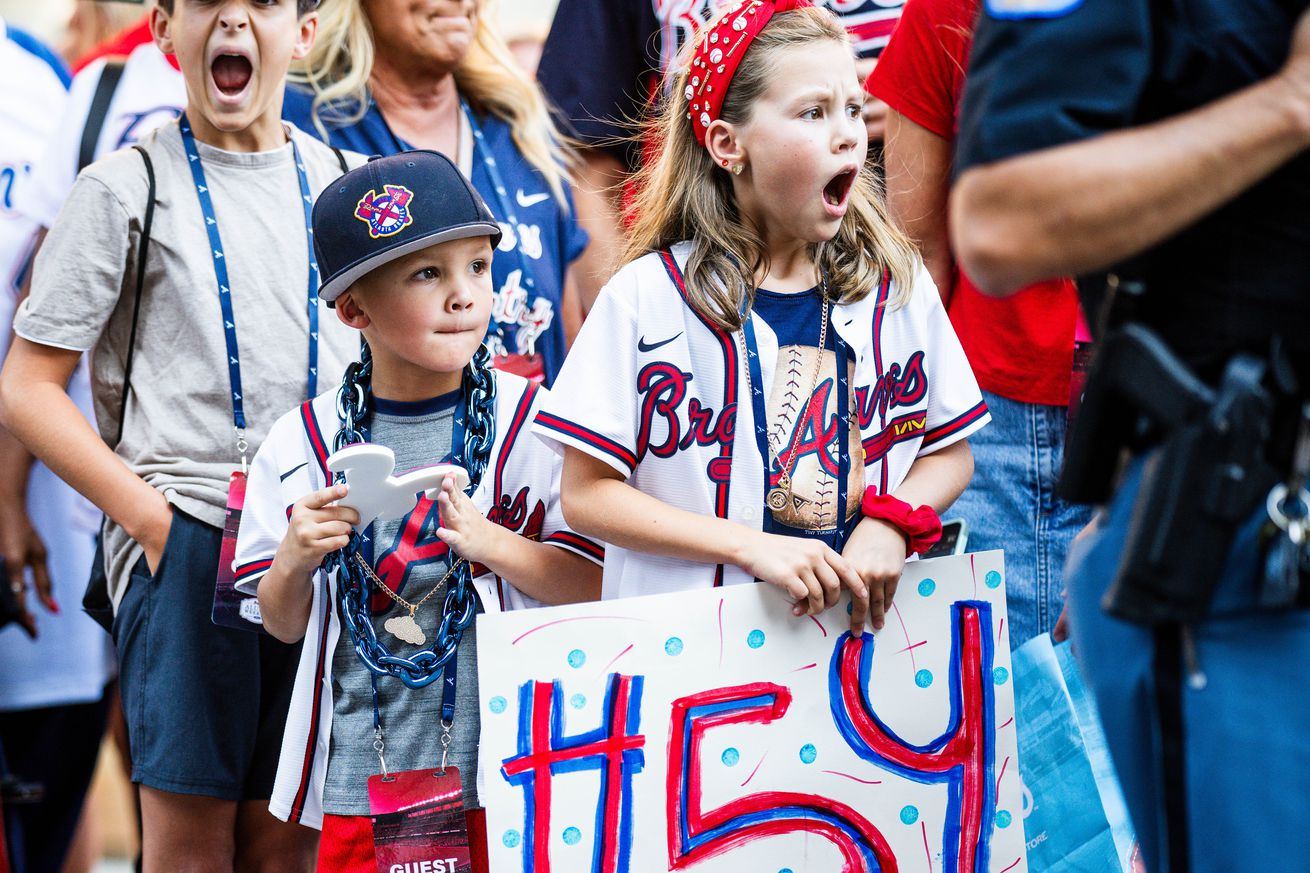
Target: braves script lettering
x=663, y=388
x=899, y=386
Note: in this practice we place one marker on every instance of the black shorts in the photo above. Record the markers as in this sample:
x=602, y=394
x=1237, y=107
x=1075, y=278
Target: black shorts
x=205, y=705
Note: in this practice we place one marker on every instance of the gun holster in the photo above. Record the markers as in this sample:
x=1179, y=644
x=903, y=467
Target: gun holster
x=1206, y=474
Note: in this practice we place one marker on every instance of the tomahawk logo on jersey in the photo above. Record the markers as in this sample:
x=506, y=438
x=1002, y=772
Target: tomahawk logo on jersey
x=519, y=490
x=660, y=395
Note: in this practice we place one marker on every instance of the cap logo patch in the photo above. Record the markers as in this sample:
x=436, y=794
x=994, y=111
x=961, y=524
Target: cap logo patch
x=386, y=214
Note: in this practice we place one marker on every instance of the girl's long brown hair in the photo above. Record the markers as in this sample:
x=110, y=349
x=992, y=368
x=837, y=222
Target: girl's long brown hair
x=682, y=195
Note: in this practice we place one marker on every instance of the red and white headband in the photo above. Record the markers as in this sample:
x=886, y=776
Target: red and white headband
x=719, y=53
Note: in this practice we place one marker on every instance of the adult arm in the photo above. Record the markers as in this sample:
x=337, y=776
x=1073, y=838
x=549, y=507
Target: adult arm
x=1087, y=205
x=597, y=193
x=918, y=165
x=36, y=408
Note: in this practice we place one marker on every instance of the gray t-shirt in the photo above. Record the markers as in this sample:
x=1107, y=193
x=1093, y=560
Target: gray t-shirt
x=179, y=433
x=409, y=557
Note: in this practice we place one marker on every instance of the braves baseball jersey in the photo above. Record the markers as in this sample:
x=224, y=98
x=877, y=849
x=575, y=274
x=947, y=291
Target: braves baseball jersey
x=71, y=661
x=541, y=243
x=520, y=490
x=149, y=93
x=661, y=395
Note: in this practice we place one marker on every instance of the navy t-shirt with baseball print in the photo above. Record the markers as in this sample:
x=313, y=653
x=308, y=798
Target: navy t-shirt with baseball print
x=804, y=427
x=526, y=321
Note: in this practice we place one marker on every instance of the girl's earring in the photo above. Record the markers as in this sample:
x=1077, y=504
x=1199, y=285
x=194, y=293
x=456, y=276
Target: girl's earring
x=737, y=168
x=725, y=163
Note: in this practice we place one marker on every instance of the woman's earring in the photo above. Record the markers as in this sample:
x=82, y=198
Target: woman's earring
x=737, y=168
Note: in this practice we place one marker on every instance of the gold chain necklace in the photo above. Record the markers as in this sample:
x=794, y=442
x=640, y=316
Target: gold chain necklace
x=406, y=628
x=779, y=496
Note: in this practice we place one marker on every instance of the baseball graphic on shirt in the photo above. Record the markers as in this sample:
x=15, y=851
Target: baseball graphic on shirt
x=811, y=429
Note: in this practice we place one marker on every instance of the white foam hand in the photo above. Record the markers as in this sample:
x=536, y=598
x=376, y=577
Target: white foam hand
x=374, y=492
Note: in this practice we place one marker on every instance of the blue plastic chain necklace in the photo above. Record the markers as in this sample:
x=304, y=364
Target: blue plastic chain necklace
x=475, y=419
x=225, y=285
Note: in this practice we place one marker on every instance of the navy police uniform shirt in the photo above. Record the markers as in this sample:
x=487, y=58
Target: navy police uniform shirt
x=1239, y=275
x=547, y=238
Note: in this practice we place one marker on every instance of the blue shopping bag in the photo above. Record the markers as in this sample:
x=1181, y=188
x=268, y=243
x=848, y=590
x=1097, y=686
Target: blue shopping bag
x=1074, y=817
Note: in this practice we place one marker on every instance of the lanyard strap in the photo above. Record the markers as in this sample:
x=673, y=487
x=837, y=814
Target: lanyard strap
x=759, y=413
x=502, y=193
x=225, y=285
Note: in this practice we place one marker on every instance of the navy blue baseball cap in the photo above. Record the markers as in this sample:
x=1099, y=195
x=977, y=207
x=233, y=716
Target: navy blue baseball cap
x=389, y=208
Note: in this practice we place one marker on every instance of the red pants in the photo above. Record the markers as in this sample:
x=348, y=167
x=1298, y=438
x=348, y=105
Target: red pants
x=346, y=845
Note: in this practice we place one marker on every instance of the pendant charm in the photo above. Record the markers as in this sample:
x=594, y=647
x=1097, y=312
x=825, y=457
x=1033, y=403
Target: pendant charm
x=777, y=499
x=405, y=628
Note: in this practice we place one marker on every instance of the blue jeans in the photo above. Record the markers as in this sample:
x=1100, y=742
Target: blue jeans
x=1245, y=759
x=1011, y=505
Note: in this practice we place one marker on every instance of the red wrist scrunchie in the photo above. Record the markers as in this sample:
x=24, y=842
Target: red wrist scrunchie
x=922, y=527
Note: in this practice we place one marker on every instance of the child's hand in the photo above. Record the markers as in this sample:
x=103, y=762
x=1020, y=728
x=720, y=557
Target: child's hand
x=876, y=550
x=463, y=527
x=811, y=572
x=317, y=527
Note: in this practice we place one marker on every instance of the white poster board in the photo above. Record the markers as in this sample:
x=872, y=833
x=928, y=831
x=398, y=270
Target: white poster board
x=716, y=731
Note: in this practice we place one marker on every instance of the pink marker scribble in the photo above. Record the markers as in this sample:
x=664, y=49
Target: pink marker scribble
x=539, y=627
x=1012, y=866
x=914, y=667
x=820, y=624
x=616, y=657
x=853, y=778
x=1000, y=630
x=974, y=572
x=1007, y=724
x=756, y=770
x=720, y=631
x=1002, y=774
x=806, y=667
x=923, y=828
x=911, y=648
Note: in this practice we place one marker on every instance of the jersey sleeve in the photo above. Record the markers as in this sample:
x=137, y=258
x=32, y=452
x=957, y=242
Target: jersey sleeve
x=593, y=65
x=53, y=175
x=80, y=270
x=1023, y=94
x=955, y=404
x=266, y=514
x=921, y=70
x=592, y=406
x=554, y=530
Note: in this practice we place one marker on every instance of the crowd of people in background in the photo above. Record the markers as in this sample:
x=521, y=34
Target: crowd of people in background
x=178, y=148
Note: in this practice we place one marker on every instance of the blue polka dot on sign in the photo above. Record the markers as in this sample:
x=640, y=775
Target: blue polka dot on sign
x=511, y=839
x=992, y=579
x=1000, y=675
x=755, y=638
x=578, y=701
x=497, y=704
x=927, y=587
x=730, y=757
x=673, y=646
x=572, y=836
x=785, y=870
x=923, y=678
x=1003, y=819
x=808, y=753
x=909, y=814
x=577, y=658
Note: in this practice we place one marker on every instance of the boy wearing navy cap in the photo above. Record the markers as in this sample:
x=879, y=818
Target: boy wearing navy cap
x=406, y=246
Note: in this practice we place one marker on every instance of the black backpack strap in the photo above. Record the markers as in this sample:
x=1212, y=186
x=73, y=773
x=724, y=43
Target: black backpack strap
x=142, y=249
x=341, y=159
x=95, y=117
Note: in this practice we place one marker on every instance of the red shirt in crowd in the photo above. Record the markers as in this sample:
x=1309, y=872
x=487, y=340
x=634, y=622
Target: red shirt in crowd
x=1020, y=347
x=121, y=44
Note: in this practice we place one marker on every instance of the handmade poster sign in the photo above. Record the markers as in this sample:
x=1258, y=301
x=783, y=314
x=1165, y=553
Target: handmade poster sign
x=715, y=731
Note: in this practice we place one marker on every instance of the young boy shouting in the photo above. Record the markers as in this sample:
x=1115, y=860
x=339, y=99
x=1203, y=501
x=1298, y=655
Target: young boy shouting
x=406, y=244
x=220, y=337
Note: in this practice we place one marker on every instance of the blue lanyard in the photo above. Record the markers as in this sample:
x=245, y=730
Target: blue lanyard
x=759, y=413
x=225, y=286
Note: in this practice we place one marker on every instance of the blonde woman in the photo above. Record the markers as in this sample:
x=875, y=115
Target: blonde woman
x=770, y=390
x=387, y=76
